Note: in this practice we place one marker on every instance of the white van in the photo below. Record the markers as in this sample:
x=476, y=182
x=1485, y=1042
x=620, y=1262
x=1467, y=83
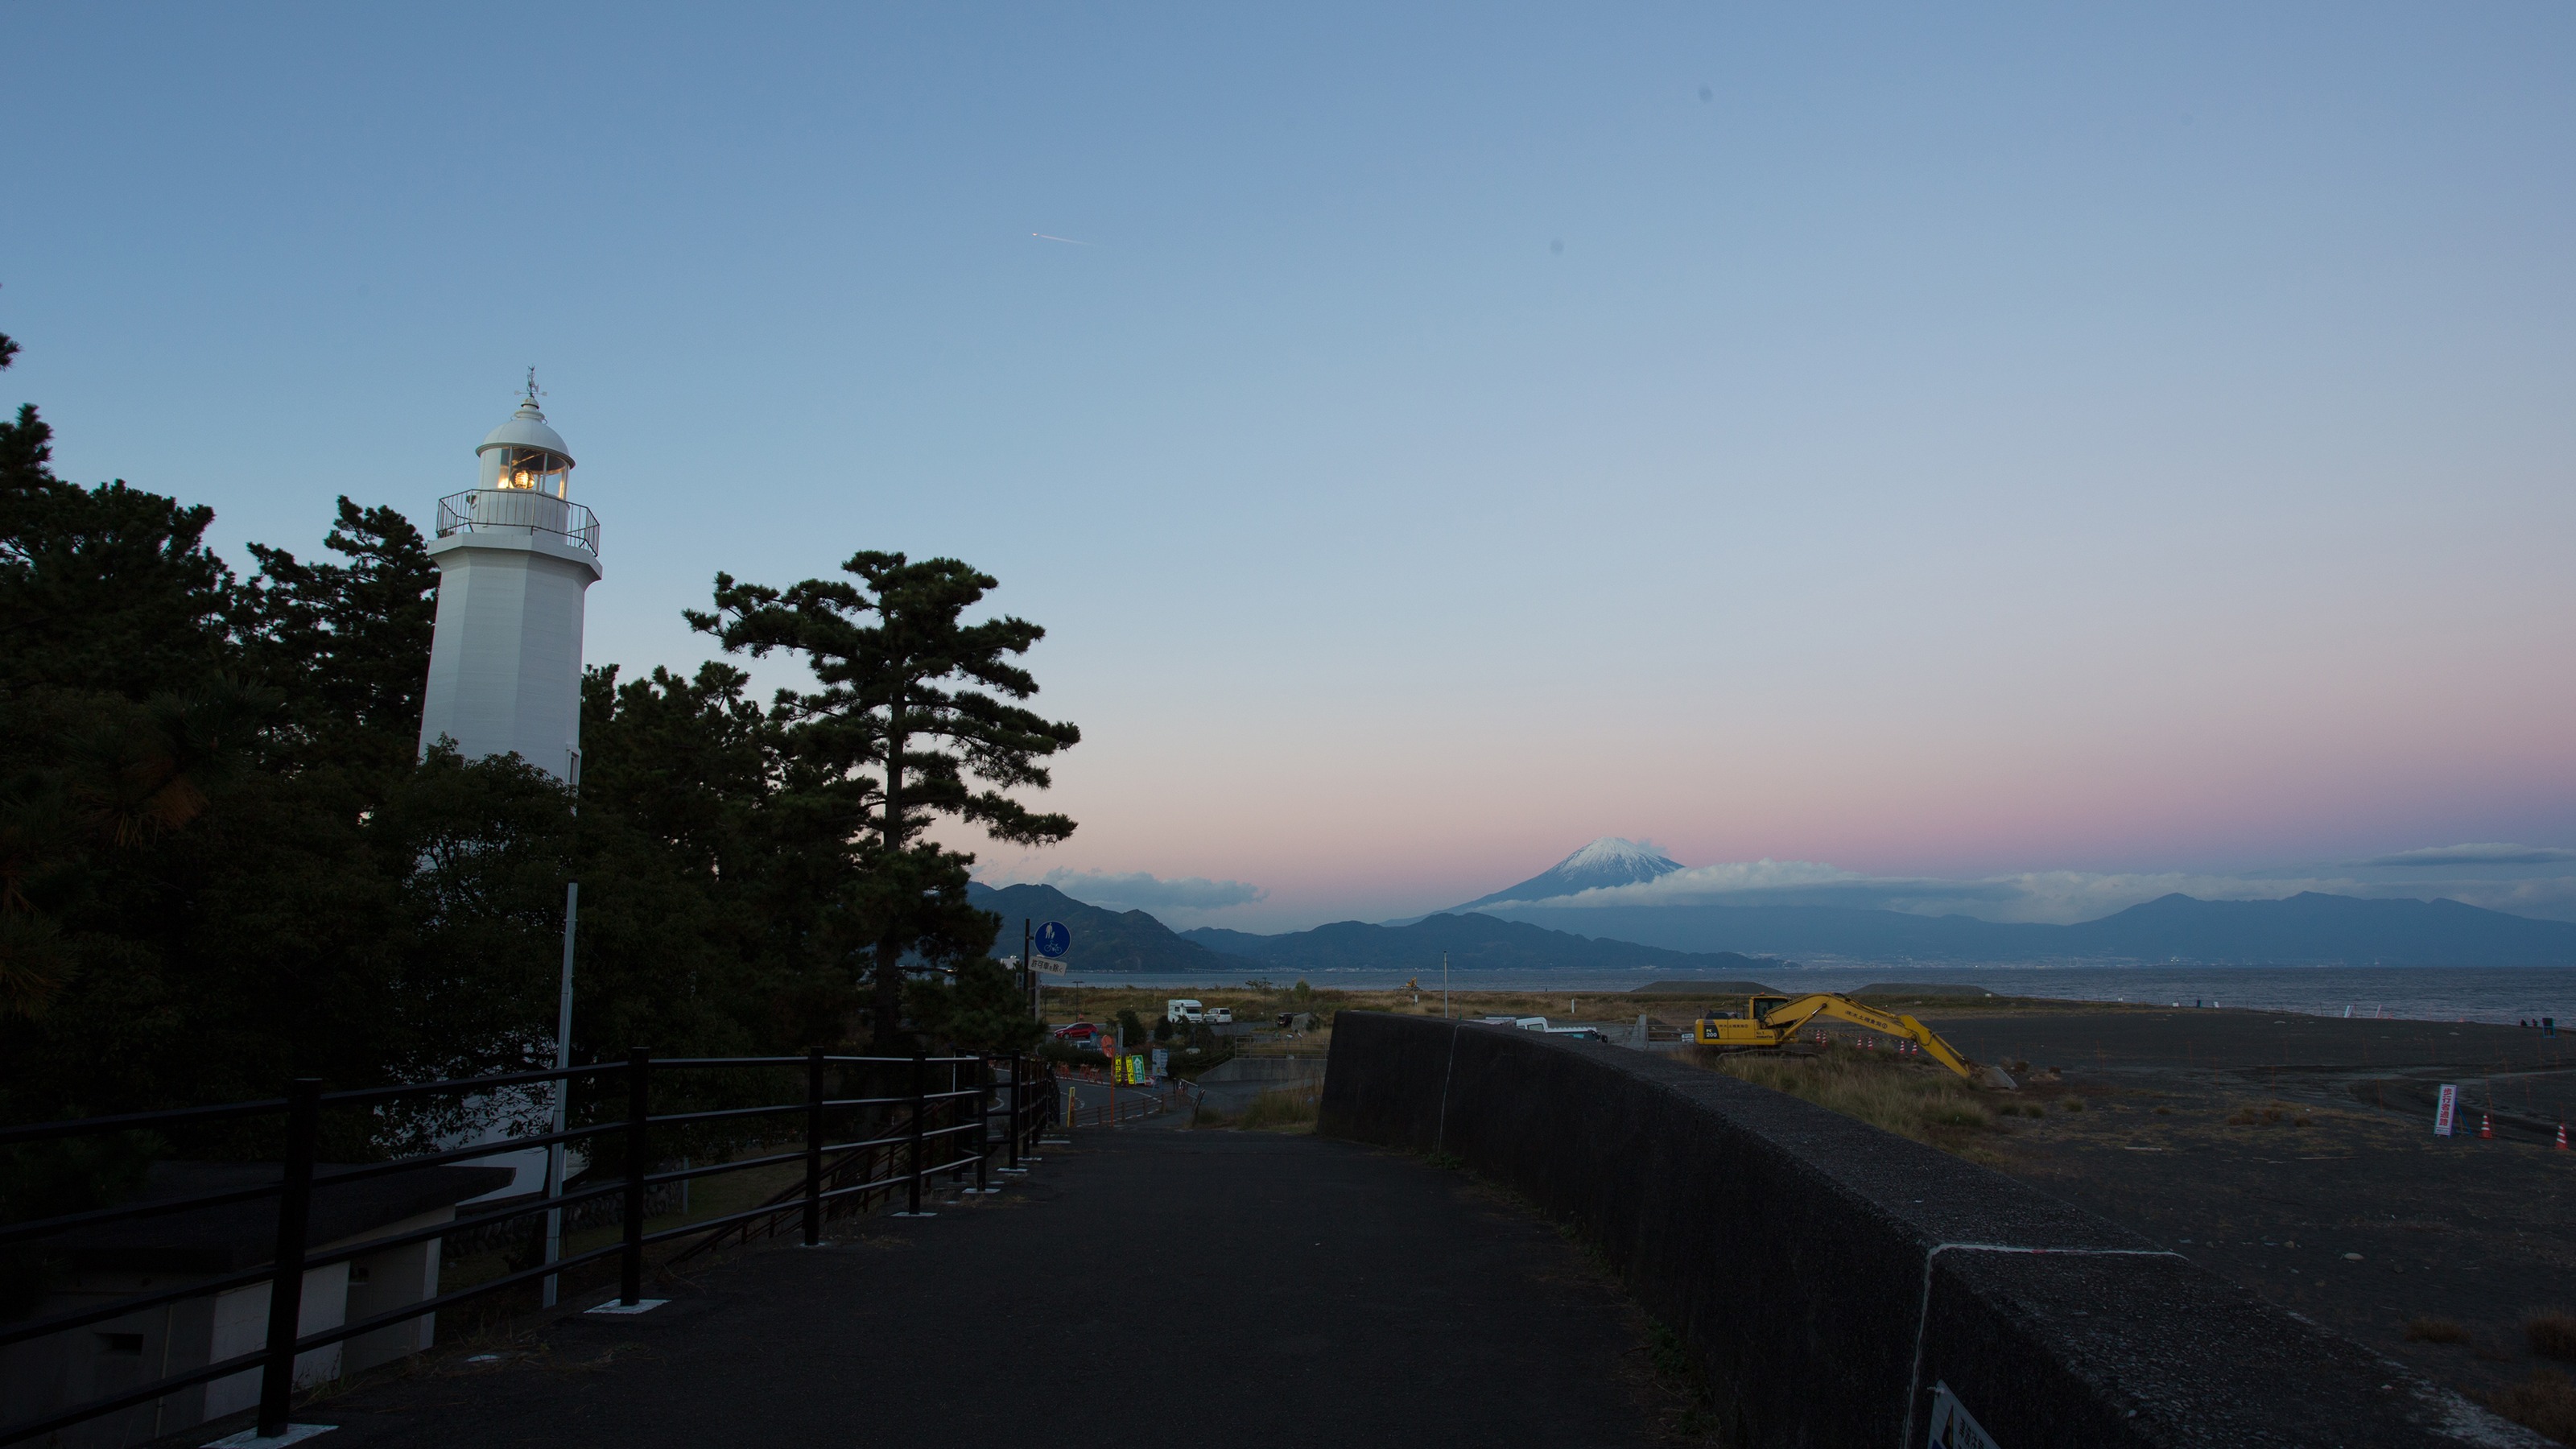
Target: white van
x=1180, y=1009
x=1221, y=1016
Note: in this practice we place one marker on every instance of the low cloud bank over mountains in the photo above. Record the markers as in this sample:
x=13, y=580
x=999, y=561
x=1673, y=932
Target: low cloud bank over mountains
x=2537, y=881
x=1623, y=903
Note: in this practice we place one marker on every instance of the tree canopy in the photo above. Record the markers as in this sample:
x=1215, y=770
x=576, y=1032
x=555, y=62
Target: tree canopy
x=224, y=860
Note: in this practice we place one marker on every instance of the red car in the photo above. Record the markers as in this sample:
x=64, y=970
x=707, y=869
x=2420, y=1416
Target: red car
x=1086, y=1034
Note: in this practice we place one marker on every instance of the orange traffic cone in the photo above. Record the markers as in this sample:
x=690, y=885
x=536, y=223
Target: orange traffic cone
x=2486, y=1125
x=2562, y=1136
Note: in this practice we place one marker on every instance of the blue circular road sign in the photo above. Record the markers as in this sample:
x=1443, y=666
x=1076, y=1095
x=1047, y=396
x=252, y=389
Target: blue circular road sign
x=1053, y=938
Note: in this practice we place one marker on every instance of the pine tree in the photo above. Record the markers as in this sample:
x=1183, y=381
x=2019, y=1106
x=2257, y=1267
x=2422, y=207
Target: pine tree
x=913, y=716
x=354, y=639
x=107, y=588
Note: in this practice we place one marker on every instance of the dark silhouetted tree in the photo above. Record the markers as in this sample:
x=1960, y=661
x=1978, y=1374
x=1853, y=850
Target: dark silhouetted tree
x=914, y=719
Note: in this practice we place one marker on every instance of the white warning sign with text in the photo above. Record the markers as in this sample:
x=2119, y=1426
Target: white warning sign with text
x=2450, y=1109
x=1952, y=1428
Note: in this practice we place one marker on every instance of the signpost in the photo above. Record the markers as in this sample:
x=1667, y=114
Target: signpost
x=1039, y=949
x=2450, y=1108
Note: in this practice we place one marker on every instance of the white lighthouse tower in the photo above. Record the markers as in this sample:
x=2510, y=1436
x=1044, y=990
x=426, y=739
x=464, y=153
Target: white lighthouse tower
x=515, y=555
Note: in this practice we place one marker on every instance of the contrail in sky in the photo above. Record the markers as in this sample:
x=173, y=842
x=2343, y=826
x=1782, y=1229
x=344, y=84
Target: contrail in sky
x=1042, y=236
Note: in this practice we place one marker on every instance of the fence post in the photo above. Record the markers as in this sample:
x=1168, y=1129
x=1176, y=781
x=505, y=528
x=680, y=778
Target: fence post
x=983, y=1122
x=286, y=1279
x=630, y=1268
x=1013, y=1165
x=814, y=1147
x=920, y=1107
x=956, y=1118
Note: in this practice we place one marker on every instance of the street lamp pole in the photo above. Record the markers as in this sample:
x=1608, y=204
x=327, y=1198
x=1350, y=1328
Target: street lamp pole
x=1444, y=986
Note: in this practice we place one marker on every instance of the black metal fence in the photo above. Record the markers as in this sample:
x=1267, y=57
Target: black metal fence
x=926, y=1128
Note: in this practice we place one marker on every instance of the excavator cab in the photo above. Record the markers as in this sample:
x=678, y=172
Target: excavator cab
x=1763, y=1006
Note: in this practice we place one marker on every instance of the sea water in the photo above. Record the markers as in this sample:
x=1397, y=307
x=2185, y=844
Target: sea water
x=2418, y=993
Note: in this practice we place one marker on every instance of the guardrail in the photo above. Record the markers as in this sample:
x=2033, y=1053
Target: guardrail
x=864, y=1174
x=480, y=510
x=948, y=1130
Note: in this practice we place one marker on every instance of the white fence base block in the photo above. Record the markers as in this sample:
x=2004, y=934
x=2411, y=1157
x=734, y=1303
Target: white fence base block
x=249, y=1438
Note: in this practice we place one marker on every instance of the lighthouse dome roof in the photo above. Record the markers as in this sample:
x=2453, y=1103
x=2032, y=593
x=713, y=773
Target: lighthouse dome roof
x=527, y=428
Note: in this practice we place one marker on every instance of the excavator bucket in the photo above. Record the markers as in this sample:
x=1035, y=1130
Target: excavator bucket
x=1995, y=1077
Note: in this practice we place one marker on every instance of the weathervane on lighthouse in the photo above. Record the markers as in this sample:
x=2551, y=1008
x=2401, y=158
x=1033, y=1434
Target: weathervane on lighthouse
x=515, y=556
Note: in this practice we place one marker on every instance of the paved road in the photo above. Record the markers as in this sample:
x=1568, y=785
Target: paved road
x=1242, y=1288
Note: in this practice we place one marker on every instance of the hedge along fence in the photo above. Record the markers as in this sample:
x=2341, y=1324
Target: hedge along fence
x=1829, y=1275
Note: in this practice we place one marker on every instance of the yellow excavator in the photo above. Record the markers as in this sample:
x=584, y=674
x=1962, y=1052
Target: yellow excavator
x=1775, y=1021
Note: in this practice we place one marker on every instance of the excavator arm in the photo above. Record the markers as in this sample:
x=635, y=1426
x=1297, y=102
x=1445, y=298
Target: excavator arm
x=1784, y=1021
x=1807, y=1008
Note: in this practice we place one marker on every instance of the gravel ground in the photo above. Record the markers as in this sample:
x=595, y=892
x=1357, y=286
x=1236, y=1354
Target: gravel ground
x=2335, y=1200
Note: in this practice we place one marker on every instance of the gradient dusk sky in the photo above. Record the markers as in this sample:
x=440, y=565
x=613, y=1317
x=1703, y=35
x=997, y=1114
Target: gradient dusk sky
x=1945, y=442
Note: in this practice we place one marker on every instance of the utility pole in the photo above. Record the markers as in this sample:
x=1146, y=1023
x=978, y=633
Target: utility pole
x=1444, y=986
x=563, y=1091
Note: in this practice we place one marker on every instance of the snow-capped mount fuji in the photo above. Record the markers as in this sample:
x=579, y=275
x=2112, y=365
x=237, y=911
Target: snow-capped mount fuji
x=1609, y=861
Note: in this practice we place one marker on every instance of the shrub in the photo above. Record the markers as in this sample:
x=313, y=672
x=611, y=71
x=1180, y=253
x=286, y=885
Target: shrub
x=2435, y=1330
x=2552, y=1335
x=2545, y=1402
x=2073, y=1104
x=1071, y=1055
x=2164, y=1111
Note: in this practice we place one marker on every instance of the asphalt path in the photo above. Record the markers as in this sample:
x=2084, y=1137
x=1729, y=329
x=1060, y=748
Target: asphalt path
x=1263, y=1289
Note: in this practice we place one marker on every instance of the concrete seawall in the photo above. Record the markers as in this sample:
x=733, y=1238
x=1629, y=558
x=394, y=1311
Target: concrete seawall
x=1829, y=1275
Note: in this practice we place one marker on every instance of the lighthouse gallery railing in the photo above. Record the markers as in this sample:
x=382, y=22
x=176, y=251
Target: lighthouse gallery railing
x=493, y=510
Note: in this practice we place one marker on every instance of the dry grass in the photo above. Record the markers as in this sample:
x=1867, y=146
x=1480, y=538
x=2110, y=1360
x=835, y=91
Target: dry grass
x=2544, y=1402
x=1286, y=1110
x=2435, y=1330
x=1910, y=1099
x=2551, y=1335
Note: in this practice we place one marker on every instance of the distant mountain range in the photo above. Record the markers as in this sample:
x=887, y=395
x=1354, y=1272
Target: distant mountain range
x=1103, y=940
x=2310, y=927
x=1744, y=941
x=1124, y=941
x=1472, y=941
x=1609, y=861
